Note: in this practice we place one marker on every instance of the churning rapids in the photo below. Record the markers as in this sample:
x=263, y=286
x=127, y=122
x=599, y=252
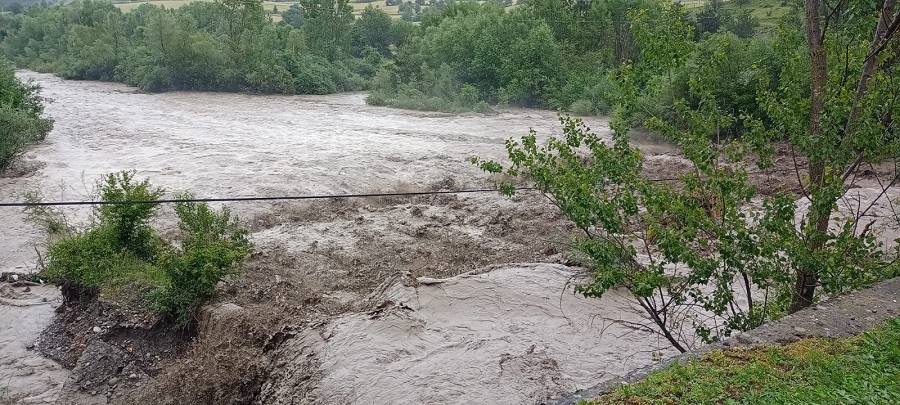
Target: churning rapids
x=235, y=145
x=238, y=145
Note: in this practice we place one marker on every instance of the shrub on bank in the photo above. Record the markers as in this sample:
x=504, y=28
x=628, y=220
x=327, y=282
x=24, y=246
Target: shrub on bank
x=213, y=245
x=122, y=257
x=582, y=107
x=438, y=91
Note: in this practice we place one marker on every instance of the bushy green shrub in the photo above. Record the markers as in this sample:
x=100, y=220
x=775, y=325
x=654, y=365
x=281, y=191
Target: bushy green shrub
x=18, y=130
x=213, y=245
x=120, y=244
x=376, y=100
x=121, y=256
x=744, y=25
x=584, y=80
x=128, y=224
x=437, y=91
x=468, y=96
x=87, y=263
x=275, y=79
x=483, y=108
x=582, y=107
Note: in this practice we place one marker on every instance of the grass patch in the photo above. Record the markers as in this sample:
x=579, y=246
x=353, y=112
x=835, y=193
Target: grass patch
x=861, y=370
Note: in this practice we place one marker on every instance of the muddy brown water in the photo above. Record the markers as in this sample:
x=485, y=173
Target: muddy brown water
x=237, y=145
x=230, y=145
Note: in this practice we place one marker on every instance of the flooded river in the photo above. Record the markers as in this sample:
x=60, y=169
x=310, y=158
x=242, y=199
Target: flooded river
x=238, y=145
x=228, y=145
x=225, y=145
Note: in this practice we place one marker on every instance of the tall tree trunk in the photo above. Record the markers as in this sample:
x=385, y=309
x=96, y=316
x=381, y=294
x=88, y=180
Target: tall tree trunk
x=816, y=228
x=882, y=35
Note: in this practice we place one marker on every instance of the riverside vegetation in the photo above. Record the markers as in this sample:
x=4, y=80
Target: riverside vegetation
x=21, y=120
x=218, y=46
x=708, y=254
x=121, y=257
x=461, y=56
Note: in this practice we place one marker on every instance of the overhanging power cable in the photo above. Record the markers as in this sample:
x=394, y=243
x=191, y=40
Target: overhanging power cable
x=299, y=197
x=244, y=199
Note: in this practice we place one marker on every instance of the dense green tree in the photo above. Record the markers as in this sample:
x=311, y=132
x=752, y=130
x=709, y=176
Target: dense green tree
x=526, y=71
x=439, y=11
x=326, y=24
x=241, y=22
x=95, y=51
x=21, y=121
x=293, y=16
x=494, y=55
x=744, y=25
x=338, y=9
x=14, y=8
x=374, y=27
x=401, y=31
x=410, y=11
x=712, y=17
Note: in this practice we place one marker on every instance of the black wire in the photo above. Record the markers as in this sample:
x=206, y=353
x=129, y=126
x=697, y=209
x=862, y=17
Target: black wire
x=300, y=197
x=241, y=199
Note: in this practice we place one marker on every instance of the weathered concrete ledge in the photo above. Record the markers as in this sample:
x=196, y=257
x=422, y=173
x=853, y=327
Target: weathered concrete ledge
x=840, y=317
